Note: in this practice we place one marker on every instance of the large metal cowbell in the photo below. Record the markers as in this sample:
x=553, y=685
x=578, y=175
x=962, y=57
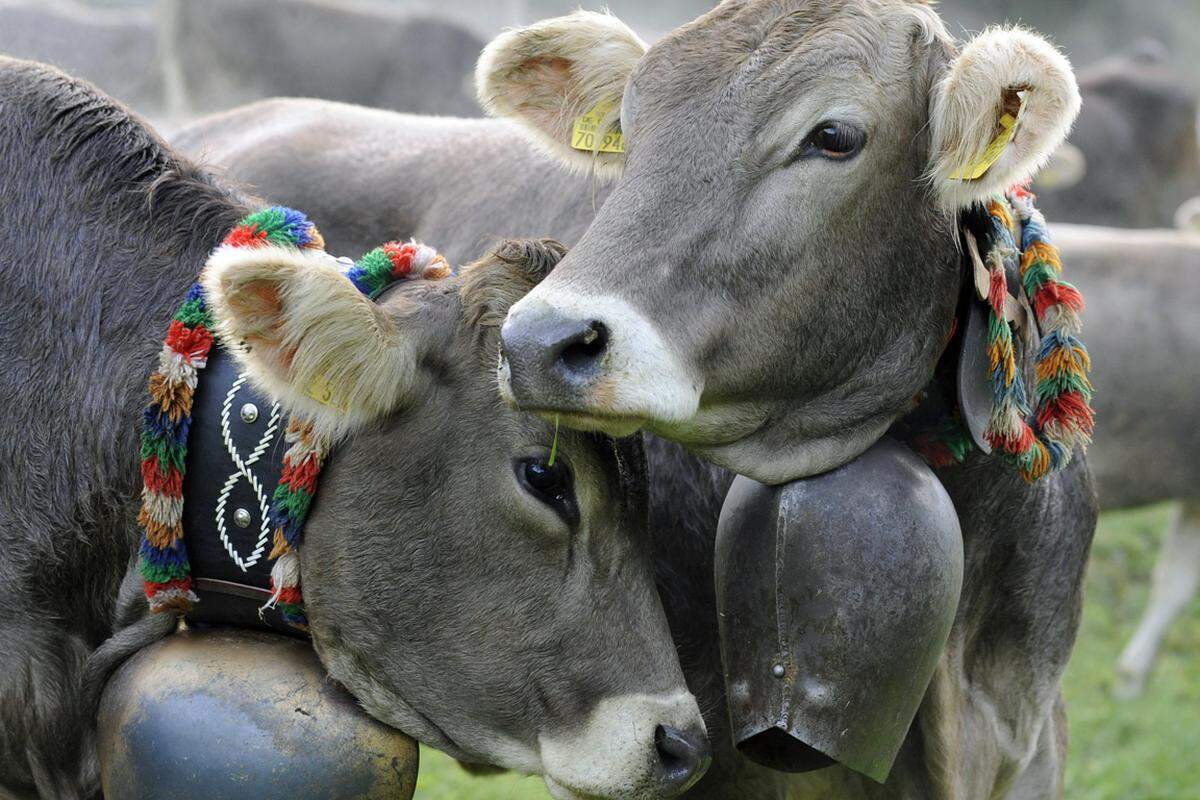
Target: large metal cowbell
x=835, y=595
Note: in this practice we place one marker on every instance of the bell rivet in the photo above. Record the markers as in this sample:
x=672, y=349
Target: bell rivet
x=778, y=670
x=249, y=413
x=242, y=518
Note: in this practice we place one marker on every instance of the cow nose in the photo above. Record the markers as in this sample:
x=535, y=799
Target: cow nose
x=551, y=356
x=683, y=757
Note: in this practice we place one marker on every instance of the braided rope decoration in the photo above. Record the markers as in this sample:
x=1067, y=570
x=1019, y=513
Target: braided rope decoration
x=163, y=563
x=302, y=463
x=1041, y=440
x=163, y=560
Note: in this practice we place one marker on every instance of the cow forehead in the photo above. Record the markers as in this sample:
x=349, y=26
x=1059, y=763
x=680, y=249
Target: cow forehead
x=753, y=42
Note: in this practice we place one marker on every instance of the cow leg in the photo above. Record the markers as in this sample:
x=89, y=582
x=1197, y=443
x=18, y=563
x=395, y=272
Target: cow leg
x=1173, y=585
x=45, y=743
x=1043, y=777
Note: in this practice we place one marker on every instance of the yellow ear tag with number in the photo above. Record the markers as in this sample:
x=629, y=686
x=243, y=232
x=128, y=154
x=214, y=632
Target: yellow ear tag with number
x=323, y=392
x=1008, y=131
x=586, y=135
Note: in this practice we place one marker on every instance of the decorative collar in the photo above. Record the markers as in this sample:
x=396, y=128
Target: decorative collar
x=163, y=556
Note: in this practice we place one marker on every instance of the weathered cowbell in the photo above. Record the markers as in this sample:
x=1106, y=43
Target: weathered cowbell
x=835, y=595
x=224, y=714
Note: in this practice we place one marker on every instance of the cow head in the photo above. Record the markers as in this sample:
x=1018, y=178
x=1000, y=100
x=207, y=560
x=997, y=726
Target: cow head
x=773, y=276
x=467, y=589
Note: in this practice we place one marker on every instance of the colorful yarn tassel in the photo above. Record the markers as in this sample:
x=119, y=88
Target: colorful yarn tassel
x=289, y=507
x=1041, y=441
x=945, y=443
x=302, y=463
x=395, y=261
x=163, y=562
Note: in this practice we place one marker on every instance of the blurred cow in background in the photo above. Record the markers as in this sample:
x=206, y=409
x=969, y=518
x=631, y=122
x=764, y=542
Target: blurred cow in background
x=219, y=53
x=116, y=49
x=177, y=58
x=1137, y=165
x=1137, y=137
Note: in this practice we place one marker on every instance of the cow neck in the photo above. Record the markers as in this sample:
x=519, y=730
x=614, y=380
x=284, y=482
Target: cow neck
x=212, y=448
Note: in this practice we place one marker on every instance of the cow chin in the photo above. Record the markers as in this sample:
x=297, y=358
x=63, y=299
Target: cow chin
x=615, y=752
x=771, y=455
x=390, y=708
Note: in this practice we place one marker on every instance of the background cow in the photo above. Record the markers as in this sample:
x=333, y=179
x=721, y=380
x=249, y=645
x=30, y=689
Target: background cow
x=1137, y=134
x=219, y=53
x=463, y=589
x=171, y=58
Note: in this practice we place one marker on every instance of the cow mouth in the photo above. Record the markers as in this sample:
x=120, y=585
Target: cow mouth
x=560, y=791
x=615, y=425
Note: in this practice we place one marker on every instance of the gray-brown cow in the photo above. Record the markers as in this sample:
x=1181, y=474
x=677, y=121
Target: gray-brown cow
x=465, y=590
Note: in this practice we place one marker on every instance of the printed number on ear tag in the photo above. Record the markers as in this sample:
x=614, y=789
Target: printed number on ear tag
x=587, y=129
x=323, y=392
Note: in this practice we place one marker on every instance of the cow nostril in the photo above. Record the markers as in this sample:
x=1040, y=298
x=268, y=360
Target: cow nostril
x=582, y=351
x=683, y=757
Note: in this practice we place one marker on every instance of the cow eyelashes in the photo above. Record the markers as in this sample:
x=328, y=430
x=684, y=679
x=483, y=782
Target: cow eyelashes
x=837, y=141
x=552, y=484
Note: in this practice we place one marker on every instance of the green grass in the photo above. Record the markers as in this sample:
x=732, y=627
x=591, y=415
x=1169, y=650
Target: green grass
x=441, y=778
x=1147, y=749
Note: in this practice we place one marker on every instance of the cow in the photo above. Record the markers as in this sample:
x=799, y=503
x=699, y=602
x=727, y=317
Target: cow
x=220, y=53
x=1137, y=136
x=116, y=49
x=184, y=58
x=1147, y=449
x=467, y=589
x=773, y=267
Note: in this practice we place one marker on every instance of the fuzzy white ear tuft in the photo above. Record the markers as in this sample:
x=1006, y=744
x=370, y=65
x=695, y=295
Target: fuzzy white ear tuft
x=311, y=340
x=997, y=72
x=550, y=74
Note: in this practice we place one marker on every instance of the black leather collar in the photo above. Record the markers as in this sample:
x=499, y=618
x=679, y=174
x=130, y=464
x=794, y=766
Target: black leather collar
x=234, y=460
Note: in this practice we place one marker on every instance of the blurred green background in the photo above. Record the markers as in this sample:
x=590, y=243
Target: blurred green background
x=1144, y=749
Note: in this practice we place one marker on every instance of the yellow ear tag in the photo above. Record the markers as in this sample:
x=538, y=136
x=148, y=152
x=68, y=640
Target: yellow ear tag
x=1008, y=131
x=323, y=392
x=587, y=129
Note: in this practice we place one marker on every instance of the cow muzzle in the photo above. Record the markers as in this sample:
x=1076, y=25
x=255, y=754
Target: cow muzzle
x=595, y=362
x=636, y=747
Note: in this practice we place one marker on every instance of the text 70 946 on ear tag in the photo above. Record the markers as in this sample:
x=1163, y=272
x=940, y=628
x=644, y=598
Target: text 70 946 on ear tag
x=587, y=134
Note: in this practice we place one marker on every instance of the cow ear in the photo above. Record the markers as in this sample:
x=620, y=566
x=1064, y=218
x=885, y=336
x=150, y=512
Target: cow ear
x=999, y=112
x=307, y=337
x=562, y=80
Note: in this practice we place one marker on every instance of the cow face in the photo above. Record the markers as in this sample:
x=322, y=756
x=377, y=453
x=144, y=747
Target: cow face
x=774, y=273
x=468, y=589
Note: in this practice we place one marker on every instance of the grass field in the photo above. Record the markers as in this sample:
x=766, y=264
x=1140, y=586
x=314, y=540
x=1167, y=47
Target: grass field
x=1148, y=749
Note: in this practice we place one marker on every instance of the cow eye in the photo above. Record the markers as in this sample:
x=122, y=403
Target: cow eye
x=834, y=140
x=553, y=484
